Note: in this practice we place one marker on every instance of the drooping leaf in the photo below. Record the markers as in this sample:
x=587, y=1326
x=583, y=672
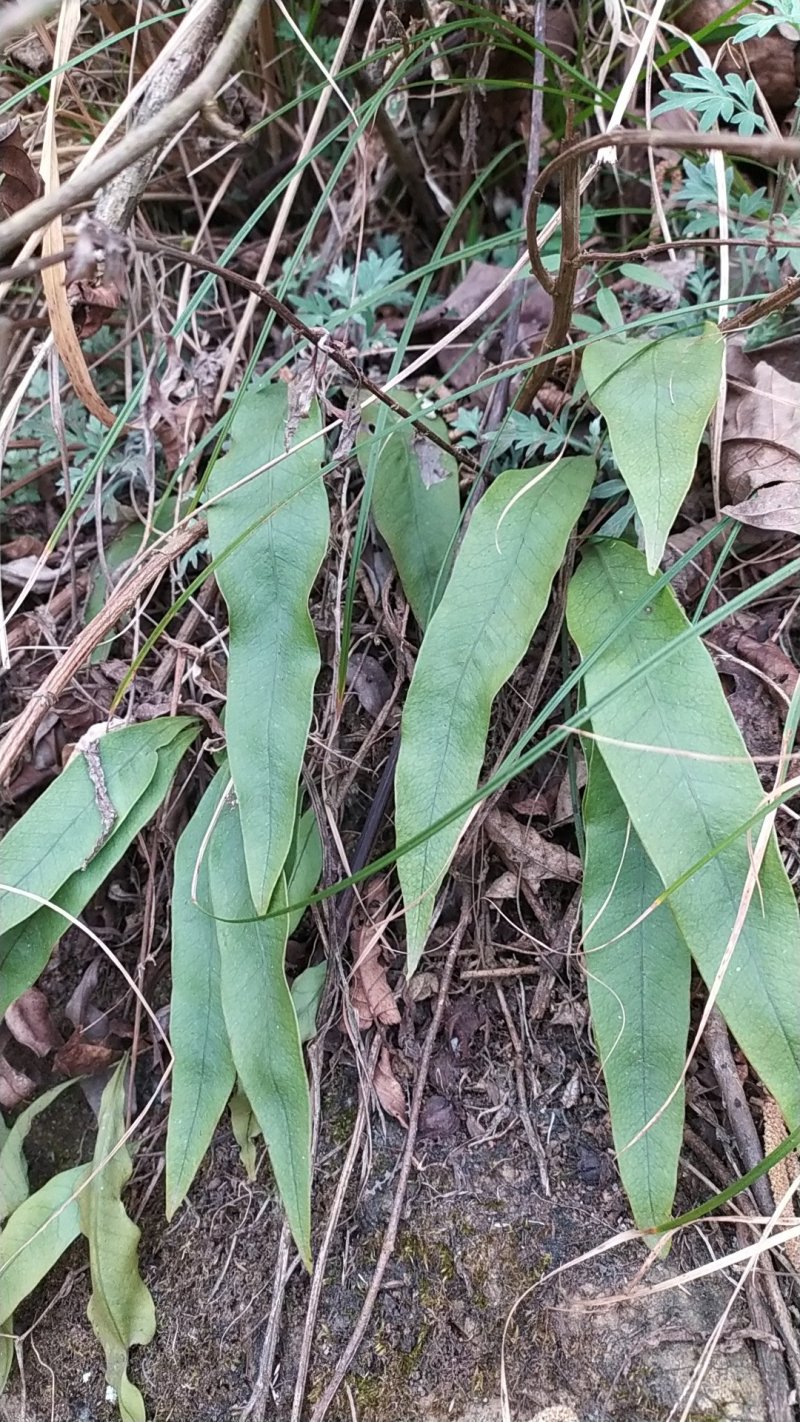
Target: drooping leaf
x=683, y=807
x=638, y=996
x=6, y=1351
x=262, y=1023
x=416, y=506
x=120, y=1309
x=13, y=1169
x=307, y=990
x=496, y=594
x=304, y=867
x=36, y=1235
x=246, y=1131
x=48, y=856
x=266, y=582
x=203, y=1074
x=656, y=396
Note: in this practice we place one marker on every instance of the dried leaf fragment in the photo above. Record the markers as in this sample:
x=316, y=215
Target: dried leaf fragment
x=28, y=1019
x=388, y=1089
x=371, y=996
x=19, y=181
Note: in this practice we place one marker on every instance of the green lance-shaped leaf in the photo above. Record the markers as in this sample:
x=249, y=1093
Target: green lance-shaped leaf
x=266, y=582
x=36, y=1235
x=307, y=990
x=304, y=866
x=638, y=996
x=656, y=396
x=53, y=850
x=121, y=1309
x=203, y=1074
x=480, y=631
x=262, y=1022
x=246, y=1131
x=416, y=505
x=683, y=808
x=13, y=1167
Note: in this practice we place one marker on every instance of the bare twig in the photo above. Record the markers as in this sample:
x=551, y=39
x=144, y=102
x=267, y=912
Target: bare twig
x=256, y=1405
x=122, y=599
x=332, y=1223
x=563, y=288
x=119, y=199
x=139, y=141
x=498, y=399
x=317, y=337
x=356, y=1337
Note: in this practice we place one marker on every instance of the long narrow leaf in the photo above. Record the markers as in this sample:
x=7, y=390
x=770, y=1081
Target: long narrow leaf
x=61, y=830
x=416, y=506
x=496, y=594
x=638, y=996
x=36, y=1236
x=149, y=760
x=203, y=1075
x=121, y=1309
x=262, y=1023
x=683, y=807
x=274, y=657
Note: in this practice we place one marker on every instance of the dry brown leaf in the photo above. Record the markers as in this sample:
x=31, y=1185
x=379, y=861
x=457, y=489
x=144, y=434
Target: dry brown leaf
x=370, y=994
x=388, y=1089
x=777, y=507
x=78, y=1057
x=529, y=853
x=781, y=673
x=15, y=1086
x=29, y=1021
x=761, y=452
x=53, y=278
x=177, y=405
x=20, y=182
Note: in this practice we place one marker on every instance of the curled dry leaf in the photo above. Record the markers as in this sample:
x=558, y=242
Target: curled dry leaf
x=15, y=1086
x=370, y=994
x=761, y=452
x=28, y=1019
x=388, y=1089
x=20, y=182
x=529, y=854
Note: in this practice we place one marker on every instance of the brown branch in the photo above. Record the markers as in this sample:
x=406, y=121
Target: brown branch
x=119, y=199
x=316, y=337
x=563, y=288
x=138, y=141
x=122, y=599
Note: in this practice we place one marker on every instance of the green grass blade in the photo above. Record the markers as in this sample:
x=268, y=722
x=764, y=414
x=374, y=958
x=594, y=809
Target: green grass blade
x=638, y=996
x=683, y=808
x=656, y=396
x=203, y=1075
x=139, y=763
x=416, y=509
x=121, y=1309
x=262, y=1024
x=496, y=594
x=274, y=657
